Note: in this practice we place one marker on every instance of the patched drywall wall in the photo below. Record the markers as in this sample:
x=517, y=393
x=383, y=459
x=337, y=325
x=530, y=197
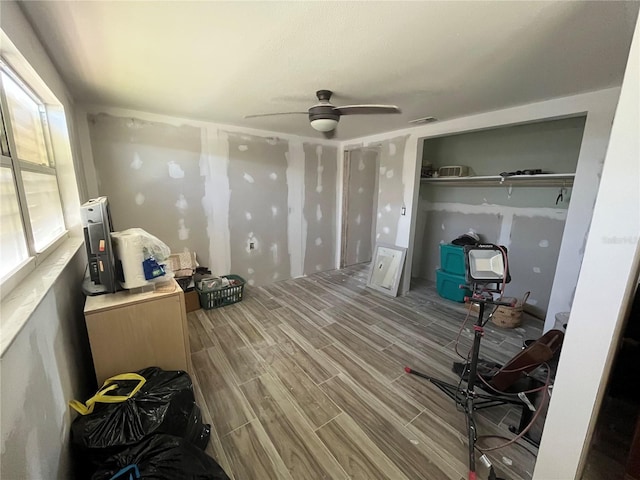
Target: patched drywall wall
x=391, y=189
x=258, y=208
x=533, y=253
x=444, y=226
x=257, y=205
x=519, y=197
x=361, y=200
x=48, y=364
x=598, y=106
x=552, y=146
x=150, y=173
x=532, y=235
x=320, y=174
x=525, y=216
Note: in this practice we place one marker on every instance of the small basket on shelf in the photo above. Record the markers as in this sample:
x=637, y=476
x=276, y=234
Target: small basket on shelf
x=219, y=297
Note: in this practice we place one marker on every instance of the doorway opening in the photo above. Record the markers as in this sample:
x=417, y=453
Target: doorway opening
x=359, y=202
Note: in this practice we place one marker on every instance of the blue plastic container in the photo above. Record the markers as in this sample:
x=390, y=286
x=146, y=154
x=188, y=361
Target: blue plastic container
x=452, y=259
x=448, y=286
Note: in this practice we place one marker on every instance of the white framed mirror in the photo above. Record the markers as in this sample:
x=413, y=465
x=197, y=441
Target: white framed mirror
x=386, y=268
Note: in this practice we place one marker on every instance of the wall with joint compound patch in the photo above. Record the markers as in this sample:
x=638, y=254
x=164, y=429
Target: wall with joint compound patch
x=320, y=207
x=150, y=173
x=598, y=106
x=528, y=220
x=257, y=209
x=258, y=204
x=391, y=189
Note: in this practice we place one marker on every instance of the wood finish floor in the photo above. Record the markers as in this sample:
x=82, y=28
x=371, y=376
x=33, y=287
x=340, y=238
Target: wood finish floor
x=304, y=379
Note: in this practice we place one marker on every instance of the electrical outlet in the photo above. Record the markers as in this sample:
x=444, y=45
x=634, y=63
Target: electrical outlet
x=404, y=211
x=252, y=245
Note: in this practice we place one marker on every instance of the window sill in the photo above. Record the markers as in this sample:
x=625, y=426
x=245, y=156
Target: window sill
x=17, y=276
x=19, y=304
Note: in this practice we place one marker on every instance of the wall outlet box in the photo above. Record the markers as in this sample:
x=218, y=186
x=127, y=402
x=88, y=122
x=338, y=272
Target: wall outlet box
x=453, y=171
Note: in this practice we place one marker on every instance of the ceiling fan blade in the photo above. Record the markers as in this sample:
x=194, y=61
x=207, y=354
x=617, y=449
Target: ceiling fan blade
x=273, y=114
x=367, y=109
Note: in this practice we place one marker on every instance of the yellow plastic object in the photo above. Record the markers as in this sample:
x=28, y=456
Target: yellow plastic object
x=102, y=397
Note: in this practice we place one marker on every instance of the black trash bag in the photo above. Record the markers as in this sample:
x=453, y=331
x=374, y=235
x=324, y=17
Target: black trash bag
x=197, y=432
x=164, y=404
x=470, y=238
x=161, y=457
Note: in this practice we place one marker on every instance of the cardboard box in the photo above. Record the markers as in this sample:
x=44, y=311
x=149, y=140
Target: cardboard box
x=182, y=264
x=191, y=301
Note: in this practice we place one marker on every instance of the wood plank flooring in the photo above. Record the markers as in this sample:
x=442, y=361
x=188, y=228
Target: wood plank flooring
x=304, y=379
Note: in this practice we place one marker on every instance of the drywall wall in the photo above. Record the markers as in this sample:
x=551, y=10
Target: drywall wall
x=532, y=235
x=363, y=166
x=608, y=279
x=515, y=197
x=48, y=364
x=533, y=253
x=320, y=178
x=253, y=203
x=529, y=212
x=391, y=190
x=552, y=146
x=151, y=176
x=442, y=226
x=597, y=106
x=257, y=208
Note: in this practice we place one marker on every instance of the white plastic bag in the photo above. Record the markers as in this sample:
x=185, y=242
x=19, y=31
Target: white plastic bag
x=133, y=246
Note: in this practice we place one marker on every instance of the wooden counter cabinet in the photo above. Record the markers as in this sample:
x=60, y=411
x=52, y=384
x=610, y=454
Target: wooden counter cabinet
x=131, y=331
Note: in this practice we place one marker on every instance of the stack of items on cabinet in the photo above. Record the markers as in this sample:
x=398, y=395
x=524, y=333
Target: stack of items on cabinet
x=143, y=425
x=184, y=267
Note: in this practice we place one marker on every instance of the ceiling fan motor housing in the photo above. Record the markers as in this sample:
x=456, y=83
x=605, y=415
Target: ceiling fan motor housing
x=324, y=110
x=318, y=112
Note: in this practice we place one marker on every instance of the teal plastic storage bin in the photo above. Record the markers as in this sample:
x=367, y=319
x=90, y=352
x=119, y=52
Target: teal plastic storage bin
x=448, y=286
x=452, y=259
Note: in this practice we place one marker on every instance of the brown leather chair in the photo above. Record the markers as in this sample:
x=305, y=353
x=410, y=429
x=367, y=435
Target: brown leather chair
x=539, y=352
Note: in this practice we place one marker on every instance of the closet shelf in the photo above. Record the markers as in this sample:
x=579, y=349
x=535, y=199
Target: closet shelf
x=541, y=180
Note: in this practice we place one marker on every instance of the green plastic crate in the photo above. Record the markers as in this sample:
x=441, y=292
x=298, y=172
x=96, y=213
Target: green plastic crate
x=223, y=296
x=452, y=259
x=448, y=286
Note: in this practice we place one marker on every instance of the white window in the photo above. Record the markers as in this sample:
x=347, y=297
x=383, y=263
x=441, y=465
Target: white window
x=31, y=219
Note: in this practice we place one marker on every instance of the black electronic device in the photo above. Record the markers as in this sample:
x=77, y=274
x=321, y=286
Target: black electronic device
x=97, y=226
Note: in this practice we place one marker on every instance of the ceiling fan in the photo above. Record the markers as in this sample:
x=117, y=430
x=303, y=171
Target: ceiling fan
x=324, y=117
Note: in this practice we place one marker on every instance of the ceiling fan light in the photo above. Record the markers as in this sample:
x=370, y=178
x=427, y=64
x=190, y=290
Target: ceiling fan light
x=324, y=124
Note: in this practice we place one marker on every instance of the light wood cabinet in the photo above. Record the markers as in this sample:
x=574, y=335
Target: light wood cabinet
x=131, y=331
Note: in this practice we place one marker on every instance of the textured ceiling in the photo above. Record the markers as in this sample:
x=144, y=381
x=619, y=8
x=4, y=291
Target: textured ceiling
x=219, y=61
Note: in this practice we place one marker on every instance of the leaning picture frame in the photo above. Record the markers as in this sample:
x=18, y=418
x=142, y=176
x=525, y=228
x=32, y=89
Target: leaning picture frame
x=386, y=268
